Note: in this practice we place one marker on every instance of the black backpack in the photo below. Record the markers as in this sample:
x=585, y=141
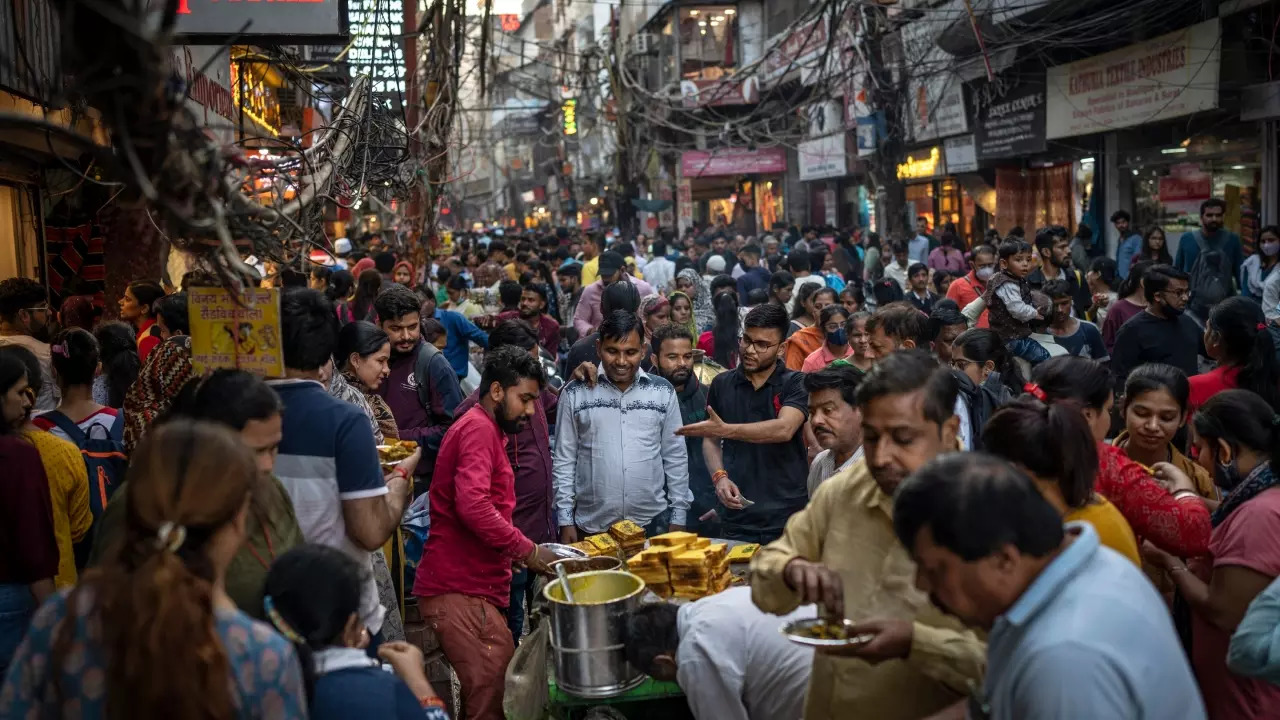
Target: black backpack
x=1211, y=281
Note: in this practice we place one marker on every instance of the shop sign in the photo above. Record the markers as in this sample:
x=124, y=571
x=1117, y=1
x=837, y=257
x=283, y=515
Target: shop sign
x=720, y=93
x=207, y=74
x=936, y=107
x=684, y=204
x=960, y=154
x=824, y=157
x=1013, y=125
x=922, y=164
x=240, y=333
x=1165, y=77
x=301, y=21
x=376, y=48
x=870, y=130
x=1186, y=183
x=732, y=161
x=570, y=110
x=799, y=50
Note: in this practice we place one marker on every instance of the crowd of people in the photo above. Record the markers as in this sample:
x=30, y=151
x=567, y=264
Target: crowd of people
x=1038, y=479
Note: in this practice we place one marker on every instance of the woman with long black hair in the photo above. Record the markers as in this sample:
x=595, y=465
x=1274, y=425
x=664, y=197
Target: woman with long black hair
x=1132, y=301
x=1236, y=336
x=721, y=341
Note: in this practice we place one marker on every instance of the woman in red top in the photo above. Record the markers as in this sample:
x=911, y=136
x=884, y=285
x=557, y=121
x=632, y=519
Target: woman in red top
x=135, y=309
x=720, y=343
x=1176, y=520
x=1236, y=336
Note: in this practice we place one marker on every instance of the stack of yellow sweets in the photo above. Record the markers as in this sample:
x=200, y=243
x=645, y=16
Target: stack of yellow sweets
x=629, y=536
x=682, y=564
x=596, y=545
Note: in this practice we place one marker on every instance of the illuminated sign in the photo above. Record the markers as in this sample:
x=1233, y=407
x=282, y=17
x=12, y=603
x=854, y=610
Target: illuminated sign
x=921, y=164
x=376, y=50
x=509, y=23
x=255, y=99
x=301, y=21
x=570, y=110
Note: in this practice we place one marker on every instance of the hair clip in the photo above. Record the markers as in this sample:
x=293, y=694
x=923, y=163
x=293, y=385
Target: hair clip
x=170, y=536
x=279, y=623
x=1036, y=392
x=1262, y=326
x=61, y=349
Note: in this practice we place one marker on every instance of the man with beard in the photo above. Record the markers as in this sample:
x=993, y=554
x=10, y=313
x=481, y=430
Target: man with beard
x=752, y=439
x=1053, y=243
x=613, y=269
x=26, y=320
x=1161, y=333
x=1210, y=237
x=463, y=583
x=1076, y=631
x=532, y=310
x=569, y=278
x=422, y=389
x=841, y=551
x=616, y=454
x=672, y=358
x=834, y=420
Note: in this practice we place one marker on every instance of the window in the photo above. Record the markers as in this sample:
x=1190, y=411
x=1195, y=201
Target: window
x=708, y=41
x=780, y=15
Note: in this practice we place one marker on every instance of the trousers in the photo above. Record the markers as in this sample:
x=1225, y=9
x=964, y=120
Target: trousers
x=474, y=637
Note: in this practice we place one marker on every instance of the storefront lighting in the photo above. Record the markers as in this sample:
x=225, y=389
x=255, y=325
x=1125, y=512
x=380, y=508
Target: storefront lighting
x=729, y=11
x=1086, y=161
x=718, y=18
x=714, y=23
x=263, y=151
x=1135, y=172
x=702, y=23
x=1237, y=167
x=1173, y=151
x=704, y=31
x=595, y=201
x=693, y=13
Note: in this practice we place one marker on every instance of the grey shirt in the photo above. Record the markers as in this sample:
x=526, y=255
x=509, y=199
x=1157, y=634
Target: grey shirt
x=617, y=454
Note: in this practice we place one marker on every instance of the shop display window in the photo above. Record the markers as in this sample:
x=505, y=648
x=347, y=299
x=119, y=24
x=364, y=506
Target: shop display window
x=709, y=41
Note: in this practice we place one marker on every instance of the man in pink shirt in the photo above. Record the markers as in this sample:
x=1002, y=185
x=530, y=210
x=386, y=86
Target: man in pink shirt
x=463, y=583
x=612, y=269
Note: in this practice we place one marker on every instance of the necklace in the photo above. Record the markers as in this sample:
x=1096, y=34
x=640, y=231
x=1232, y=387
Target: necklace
x=271, y=549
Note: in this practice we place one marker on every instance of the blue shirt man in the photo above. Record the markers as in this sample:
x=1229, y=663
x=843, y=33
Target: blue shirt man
x=461, y=332
x=1213, y=236
x=1130, y=242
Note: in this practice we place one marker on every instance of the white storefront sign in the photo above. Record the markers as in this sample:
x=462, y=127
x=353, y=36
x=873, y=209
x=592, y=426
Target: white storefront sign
x=935, y=105
x=1161, y=78
x=824, y=157
x=961, y=154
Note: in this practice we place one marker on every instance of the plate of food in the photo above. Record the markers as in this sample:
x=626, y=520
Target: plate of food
x=395, y=452
x=824, y=632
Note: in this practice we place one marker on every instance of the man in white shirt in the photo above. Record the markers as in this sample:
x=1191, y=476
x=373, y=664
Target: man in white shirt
x=834, y=419
x=897, y=269
x=25, y=318
x=726, y=654
x=660, y=272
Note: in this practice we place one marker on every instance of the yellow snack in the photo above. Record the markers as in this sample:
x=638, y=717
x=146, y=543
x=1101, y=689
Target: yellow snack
x=699, y=543
x=626, y=531
x=743, y=553
x=673, y=538
x=689, y=557
x=603, y=542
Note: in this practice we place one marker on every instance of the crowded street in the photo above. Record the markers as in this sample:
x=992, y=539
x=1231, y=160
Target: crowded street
x=613, y=360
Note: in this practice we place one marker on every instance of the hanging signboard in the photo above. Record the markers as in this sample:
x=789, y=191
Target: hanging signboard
x=207, y=74
x=824, y=157
x=923, y=164
x=235, y=333
x=295, y=22
x=1165, y=77
x=798, y=51
x=732, y=161
x=1013, y=125
x=960, y=155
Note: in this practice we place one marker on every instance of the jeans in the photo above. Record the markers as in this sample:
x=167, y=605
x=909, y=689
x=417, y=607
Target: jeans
x=17, y=605
x=1028, y=349
x=521, y=594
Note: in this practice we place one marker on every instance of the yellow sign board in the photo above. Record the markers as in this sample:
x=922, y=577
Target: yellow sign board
x=919, y=166
x=230, y=332
x=570, y=109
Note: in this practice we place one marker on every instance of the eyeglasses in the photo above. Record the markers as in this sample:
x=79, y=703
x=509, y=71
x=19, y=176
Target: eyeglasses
x=38, y=308
x=960, y=364
x=1185, y=294
x=759, y=346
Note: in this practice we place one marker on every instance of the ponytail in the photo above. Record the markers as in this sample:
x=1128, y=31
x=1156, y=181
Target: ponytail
x=153, y=598
x=1241, y=327
x=1053, y=441
x=981, y=345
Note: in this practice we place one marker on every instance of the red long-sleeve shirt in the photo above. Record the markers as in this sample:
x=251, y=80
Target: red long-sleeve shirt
x=472, y=540
x=1180, y=527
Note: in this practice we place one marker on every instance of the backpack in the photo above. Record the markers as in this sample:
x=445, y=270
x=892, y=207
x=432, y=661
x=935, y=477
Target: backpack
x=1211, y=281
x=422, y=378
x=104, y=456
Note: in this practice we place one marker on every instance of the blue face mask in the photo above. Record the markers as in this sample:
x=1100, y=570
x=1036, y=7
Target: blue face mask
x=839, y=337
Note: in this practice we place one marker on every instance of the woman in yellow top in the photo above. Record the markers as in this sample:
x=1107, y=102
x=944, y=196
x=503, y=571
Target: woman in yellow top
x=68, y=478
x=1054, y=445
x=1155, y=408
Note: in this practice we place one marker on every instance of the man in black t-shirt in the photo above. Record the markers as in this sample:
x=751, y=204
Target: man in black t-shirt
x=1161, y=333
x=752, y=440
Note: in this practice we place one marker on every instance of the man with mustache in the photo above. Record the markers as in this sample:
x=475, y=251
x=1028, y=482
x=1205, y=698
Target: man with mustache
x=463, y=583
x=673, y=355
x=27, y=320
x=834, y=419
x=841, y=551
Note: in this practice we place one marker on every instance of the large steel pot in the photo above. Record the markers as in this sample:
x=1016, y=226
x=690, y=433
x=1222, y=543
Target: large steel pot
x=588, y=635
x=587, y=564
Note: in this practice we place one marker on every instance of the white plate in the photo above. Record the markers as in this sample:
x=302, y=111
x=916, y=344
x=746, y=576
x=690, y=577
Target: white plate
x=793, y=632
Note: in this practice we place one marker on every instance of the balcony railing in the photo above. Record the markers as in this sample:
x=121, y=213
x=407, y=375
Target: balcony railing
x=30, y=45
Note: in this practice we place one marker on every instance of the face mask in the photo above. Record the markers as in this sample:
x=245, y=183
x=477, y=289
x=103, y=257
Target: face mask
x=984, y=274
x=1271, y=248
x=839, y=337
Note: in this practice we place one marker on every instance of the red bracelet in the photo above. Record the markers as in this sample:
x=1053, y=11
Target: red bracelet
x=400, y=471
x=432, y=701
x=719, y=475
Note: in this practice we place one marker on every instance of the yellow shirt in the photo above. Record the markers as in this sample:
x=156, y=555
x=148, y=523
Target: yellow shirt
x=512, y=275
x=69, y=490
x=590, y=271
x=848, y=527
x=1113, y=529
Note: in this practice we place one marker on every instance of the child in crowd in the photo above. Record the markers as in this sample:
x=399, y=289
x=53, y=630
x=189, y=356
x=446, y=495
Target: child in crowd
x=312, y=597
x=1008, y=299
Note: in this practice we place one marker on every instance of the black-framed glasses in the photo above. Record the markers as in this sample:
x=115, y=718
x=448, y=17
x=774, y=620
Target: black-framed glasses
x=759, y=346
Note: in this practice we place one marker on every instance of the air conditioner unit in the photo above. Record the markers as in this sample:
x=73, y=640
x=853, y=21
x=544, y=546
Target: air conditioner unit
x=644, y=43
